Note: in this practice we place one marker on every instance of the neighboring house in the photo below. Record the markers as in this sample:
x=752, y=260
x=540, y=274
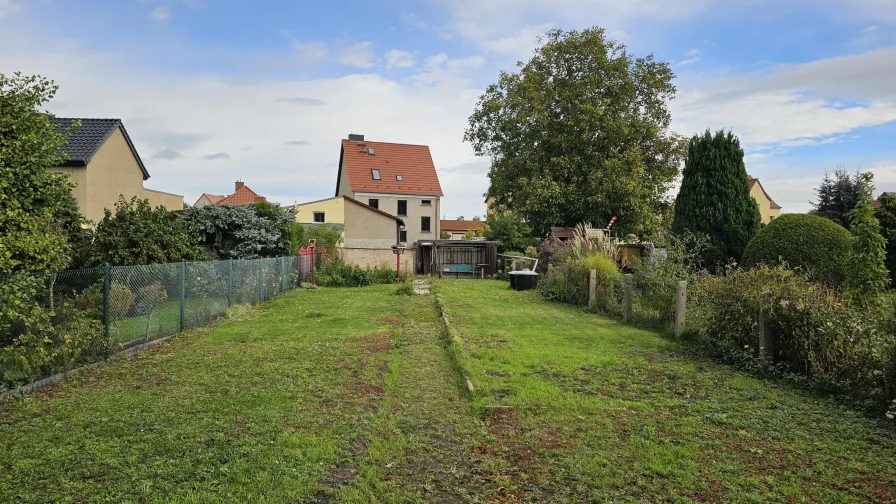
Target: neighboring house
x=768, y=209
x=876, y=203
x=398, y=179
x=104, y=165
x=242, y=195
x=459, y=228
x=208, y=199
x=325, y=211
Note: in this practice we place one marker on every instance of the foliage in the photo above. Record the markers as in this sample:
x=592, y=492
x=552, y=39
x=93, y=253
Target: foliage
x=120, y=300
x=868, y=275
x=509, y=230
x=714, y=198
x=818, y=332
x=337, y=273
x=547, y=253
x=886, y=215
x=474, y=233
x=567, y=280
x=31, y=197
x=444, y=235
x=837, y=196
x=149, y=296
x=656, y=283
x=245, y=231
x=813, y=244
x=75, y=228
x=135, y=233
x=384, y=274
x=579, y=134
x=405, y=287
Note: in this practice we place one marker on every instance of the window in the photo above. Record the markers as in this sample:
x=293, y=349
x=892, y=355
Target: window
x=370, y=152
x=771, y=218
x=375, y=203
x=403, y=236
x=402, y=207
x=376, y=174
x=319, y=217
x=424, y=225
x=399, y=178
x=426, y=202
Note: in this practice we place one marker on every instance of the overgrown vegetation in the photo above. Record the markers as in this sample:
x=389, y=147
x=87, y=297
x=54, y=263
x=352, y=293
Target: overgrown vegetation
x=243, y=231
x=837, y=196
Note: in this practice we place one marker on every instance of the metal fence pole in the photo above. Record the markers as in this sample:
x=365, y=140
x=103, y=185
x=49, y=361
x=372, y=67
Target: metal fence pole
x=260, y=280
x=106, y=287
x=183, y=294
x=230, y=282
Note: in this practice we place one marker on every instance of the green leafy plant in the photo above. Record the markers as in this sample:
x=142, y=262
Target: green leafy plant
x=120, y=300
x=817, y=246
x=868, y=275
x=337, y=273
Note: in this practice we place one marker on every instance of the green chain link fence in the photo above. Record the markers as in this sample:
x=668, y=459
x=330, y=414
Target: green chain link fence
x=54, y=322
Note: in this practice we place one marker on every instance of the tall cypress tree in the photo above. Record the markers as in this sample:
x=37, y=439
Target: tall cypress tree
x=714, y=198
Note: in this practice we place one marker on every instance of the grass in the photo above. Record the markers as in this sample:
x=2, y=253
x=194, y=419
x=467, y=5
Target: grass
x=577, y=405
x=350, y=395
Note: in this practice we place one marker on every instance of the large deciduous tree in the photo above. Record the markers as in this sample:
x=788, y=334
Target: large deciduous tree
x=714, y=198
x=31, y=238
x=579, y=134
x=837, y=196
x=245, y=231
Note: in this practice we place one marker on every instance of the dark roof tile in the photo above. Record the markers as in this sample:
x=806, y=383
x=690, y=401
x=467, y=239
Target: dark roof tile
x=88, y=139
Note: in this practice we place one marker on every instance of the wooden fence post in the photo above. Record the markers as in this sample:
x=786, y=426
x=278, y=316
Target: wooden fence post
x=592, y=288
x=766, y=338
x=680, y=305
x=627, y=301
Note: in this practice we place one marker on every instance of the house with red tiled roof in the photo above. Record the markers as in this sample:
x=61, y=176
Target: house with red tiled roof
x=768, y=209
x=242, y=195
x=458, y=228
x=399, y=179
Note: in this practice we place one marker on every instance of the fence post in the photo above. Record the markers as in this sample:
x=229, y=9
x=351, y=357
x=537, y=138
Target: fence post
x=230, y=282
x=627, y=301
x=592, y=288
x=106, y=287
x=766, y=338
x=183, y=294
x=680, y=305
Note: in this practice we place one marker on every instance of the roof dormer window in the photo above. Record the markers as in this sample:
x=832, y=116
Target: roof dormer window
x=376, y=174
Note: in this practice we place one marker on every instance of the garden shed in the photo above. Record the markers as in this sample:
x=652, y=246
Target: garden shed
x=457, y=258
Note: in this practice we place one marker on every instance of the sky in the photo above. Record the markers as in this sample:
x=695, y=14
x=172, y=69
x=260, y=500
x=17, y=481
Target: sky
x=214, y=91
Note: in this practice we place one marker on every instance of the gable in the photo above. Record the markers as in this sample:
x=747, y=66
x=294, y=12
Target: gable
x=87, y=140
x=411, y=163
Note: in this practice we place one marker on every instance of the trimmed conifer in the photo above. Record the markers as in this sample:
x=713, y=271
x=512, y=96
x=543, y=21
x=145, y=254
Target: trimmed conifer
x=714, y=198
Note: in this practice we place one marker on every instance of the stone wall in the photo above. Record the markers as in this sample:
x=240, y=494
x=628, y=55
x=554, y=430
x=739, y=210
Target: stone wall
x=370, y=258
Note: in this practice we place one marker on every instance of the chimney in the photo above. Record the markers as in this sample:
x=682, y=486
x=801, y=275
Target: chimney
x=355, y=138
x=238, y=185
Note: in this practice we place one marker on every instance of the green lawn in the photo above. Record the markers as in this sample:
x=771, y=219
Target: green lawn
x=578, y=407
x=349, y=395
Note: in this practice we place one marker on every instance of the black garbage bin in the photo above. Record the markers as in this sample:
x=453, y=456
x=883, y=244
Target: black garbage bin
x=523, y=280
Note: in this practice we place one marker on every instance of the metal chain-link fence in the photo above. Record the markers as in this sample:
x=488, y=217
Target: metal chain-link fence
x=54, y=322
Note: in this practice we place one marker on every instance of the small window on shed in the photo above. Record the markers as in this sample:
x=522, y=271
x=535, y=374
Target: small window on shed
x=376, y=174
x=399, y=178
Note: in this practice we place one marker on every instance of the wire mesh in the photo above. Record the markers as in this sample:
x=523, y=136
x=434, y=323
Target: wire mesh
x=52, y=322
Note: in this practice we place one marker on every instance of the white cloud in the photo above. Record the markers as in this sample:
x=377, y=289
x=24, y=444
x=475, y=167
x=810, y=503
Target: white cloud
x=358, y=55
x=399, y=59
x=310, y=51
x=412, y=20
x=870, y=29
x=8, y=6
x=689, y=61
x=160, y=13
x=520, y=44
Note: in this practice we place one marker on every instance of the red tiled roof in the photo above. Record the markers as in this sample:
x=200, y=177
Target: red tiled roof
x=243, y=196
x=461, y=225
x=754, y=181
x=412, y=162
x=214, y=198
x=377, y=210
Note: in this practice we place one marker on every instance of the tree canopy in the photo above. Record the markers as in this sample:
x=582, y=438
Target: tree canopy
x=886, y=215
x=867, y=259
x=837, y=196
x=579, y=134
x=511, y=232
x=31, y=197
x=243, y=231
x=714, y=198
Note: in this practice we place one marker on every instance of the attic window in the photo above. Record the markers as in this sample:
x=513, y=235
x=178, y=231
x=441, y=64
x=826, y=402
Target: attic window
x=399, y=178
x=376, y=174
x=370, y=152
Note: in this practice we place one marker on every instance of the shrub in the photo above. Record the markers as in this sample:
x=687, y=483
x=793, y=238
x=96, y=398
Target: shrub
x=120, y=300
x=381, y=274
x=150, y=296
x=568, y=282
x=90, y=301
x=336, y=273
x=818, y=332
x=815, y=245
x=405, y=288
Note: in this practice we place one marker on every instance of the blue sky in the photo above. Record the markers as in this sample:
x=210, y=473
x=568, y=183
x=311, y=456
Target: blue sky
x=217, y=90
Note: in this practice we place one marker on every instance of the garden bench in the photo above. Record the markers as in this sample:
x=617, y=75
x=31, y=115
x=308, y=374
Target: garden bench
x=457, y=269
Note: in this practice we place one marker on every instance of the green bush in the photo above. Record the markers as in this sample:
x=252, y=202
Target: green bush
x=336, y=273
x=818, y=332
x=120, y=300
x=567, y=282
x=383, y=274
x=815, y=245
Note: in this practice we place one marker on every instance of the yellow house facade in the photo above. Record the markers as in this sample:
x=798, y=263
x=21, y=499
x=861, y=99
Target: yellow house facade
x=768, y=209
x=325, y=211
x=103, y=165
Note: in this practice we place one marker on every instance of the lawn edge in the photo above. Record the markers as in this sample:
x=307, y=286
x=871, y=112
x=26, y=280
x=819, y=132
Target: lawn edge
x=453, y=341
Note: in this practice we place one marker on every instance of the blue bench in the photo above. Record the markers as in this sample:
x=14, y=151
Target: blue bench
x=457, y=269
